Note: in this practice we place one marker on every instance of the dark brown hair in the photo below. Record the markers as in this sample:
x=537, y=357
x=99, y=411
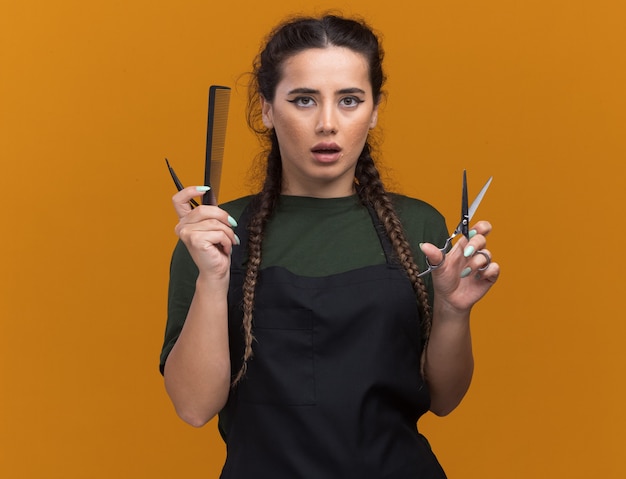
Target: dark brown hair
x=286, y=40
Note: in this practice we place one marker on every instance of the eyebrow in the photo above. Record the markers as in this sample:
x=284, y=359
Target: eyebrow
x=312, y=91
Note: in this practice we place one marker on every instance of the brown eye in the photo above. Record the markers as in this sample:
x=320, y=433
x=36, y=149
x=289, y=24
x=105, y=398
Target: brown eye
x=303, y=101
x=351, y=101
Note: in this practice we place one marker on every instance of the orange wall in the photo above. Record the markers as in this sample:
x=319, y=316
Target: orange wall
x=95, y=94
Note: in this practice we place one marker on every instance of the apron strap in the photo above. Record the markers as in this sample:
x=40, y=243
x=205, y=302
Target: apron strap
x=385, y=242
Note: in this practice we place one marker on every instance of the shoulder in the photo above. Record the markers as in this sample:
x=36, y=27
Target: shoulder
x=413, y=209
x=420, y=220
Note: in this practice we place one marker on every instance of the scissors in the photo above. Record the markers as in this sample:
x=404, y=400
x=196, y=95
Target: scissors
x=463, y=226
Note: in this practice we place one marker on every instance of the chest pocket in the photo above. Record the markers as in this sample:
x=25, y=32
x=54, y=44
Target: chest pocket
x=281, y=372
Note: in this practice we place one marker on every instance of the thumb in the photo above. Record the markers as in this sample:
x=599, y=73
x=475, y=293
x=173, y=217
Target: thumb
x=433, y=253
x=182, y=199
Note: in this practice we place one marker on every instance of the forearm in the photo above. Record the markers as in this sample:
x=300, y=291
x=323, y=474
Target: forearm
x=197, y=370
x=449, y=360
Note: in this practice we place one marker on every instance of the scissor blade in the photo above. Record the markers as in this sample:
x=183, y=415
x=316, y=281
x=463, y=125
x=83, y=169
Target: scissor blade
x=464, y=210
x=472, y=209
x=474, y=206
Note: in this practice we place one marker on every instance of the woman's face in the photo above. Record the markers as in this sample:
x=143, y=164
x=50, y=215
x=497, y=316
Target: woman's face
x=322, y=111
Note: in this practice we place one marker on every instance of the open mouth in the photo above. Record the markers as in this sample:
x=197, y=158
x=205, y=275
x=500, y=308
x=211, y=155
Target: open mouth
x=326, y=151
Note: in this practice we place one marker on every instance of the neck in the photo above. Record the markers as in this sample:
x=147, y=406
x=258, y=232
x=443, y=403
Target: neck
x=317, y=192
x=320, y=188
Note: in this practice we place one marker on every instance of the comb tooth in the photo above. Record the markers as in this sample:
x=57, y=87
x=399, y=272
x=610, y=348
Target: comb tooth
x=219, y=98
x=216, y=173
x=222, y=98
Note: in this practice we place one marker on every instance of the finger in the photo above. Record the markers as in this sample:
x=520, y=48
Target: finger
x=198, y=220
x=491, y=274
x=200, y=240
x=477, y=242
x=479, y=263
x=206, y=218
x=182, y=198
x=483, y=256
x=203, y=235
x=482, y=228
x=433, y=253
x=210, y=212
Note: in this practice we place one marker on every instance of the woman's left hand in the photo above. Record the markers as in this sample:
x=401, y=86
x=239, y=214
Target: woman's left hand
x=467, y=272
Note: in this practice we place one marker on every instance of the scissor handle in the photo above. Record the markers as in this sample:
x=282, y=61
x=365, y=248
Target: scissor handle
x=444, y=250
x=431, y=267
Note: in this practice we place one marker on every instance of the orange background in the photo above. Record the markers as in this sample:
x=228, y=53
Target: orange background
x=94, y=96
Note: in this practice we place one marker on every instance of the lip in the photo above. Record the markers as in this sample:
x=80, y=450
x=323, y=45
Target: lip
x=326, y=152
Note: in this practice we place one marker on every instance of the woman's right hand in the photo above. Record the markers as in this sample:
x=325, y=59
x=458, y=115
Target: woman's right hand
x=197, y=370
x=206, y=231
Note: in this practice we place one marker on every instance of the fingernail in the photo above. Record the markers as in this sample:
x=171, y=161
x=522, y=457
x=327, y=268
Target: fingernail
x=466, y=272
x=237, y=240
x=471, y=234
x=420, y=245
x=469, y=251
x=203, y=189
x=231, y=221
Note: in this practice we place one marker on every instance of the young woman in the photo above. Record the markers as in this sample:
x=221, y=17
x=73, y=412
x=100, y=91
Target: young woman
x=297, y=314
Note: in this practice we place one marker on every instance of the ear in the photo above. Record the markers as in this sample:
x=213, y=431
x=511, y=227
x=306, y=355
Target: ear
x=374, y=118
x=267, y=113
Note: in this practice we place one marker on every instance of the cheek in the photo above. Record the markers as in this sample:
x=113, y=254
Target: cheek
x=359, y=131
x=288, y=130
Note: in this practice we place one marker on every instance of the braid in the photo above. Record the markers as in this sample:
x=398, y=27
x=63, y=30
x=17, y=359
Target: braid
x=372, y=192
x=262, y=206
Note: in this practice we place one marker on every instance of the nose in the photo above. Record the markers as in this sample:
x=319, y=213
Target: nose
x=327, y=121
